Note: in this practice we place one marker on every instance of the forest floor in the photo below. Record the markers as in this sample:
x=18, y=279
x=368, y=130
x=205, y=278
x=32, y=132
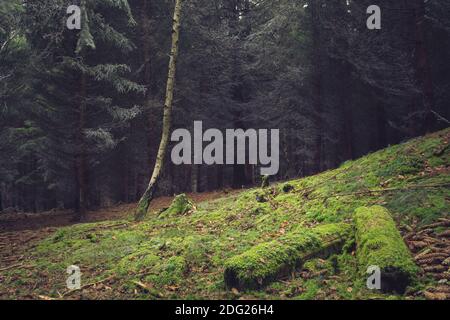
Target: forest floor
x=182, y=256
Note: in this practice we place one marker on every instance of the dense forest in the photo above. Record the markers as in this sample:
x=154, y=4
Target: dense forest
x=81, y=110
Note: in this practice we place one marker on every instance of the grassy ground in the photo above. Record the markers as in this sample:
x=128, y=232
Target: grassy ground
x=182, y=256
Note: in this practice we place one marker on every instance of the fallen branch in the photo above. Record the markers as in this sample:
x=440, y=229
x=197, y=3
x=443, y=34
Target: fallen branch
x=11, y=267
x=148, y=289
x=386, y=190
x=439, y=117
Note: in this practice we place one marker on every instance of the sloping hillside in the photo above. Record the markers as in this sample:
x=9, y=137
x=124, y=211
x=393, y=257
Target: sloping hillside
x=182, y=255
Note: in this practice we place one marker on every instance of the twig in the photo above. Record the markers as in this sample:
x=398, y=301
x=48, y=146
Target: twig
x=45, y=297
x=86, y=286
x=439, y=117
x=10, y=267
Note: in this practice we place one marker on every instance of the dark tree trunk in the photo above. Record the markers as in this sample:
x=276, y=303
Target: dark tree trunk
x=219, y=174
x=348, y=133
x=126, y=180
x=151, y=118
x=80, y=166
x=317, y=87
x=239, y=176
x=423, y=68
x=381, y=127
x=195, y=178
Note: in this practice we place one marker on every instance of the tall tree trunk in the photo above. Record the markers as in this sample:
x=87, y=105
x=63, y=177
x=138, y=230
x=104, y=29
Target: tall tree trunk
x=348, y=132
x=126, y=180
x=423, y=68
x=151, y=116
x=317, y=86
x=147, y=197
x=381, y=126
x=195, y=178
x=80, y=166
x=219, y=175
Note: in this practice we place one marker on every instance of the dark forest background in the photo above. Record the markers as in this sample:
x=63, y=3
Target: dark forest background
x=81, y=111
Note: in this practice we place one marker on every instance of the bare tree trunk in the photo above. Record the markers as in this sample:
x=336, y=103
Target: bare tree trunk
x=146, y=199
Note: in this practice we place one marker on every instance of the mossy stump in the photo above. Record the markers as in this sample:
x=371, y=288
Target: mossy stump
x=380, y=244
x=269, y=261
x=265, y=182
x=181, y=205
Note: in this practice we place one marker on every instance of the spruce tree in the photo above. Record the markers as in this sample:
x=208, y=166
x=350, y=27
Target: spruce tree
x=80, y=85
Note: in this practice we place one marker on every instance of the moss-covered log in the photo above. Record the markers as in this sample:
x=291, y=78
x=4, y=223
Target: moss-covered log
x=268, y=261
x=380, y=244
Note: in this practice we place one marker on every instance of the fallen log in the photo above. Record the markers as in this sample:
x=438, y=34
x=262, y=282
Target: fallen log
x=380, y=244
x=268, y=261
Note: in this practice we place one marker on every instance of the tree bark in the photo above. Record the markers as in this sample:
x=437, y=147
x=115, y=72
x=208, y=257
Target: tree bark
x=151, y=115
x=195, y=178
x=80, y=161
x=381, y=127
x=317, y=87
x=348, y=132
x=148, y=195
x=423, y=68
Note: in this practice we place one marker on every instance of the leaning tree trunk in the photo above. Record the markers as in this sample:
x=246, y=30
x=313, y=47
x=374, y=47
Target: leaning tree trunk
x=146, y=199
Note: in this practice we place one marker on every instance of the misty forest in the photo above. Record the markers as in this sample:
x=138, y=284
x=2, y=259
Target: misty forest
x=92, y=90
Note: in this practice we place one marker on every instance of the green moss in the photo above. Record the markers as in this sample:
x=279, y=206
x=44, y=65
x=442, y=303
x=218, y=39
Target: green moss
x=311, y=290
x=379, y=243
x=264, y=262
x=139, y=261
x=170, y=272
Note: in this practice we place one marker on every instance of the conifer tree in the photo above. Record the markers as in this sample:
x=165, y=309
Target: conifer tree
x=80, y=83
